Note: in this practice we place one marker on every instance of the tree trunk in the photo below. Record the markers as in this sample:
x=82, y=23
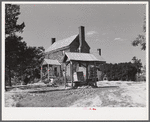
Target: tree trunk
x=9, y=74
x=21, y=74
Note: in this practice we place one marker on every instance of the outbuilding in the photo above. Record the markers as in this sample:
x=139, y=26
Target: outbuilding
x=84, y=60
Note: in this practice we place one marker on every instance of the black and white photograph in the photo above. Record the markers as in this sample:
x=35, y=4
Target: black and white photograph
x=87, y=58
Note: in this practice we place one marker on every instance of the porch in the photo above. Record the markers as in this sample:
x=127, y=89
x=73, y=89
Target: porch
x=50, y=69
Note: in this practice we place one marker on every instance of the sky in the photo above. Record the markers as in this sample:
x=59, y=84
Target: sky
x=111, y=27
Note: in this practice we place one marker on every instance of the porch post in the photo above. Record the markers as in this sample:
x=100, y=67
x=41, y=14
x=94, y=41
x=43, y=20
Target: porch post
x=65, y=75
x=87, y=71
x=71, y=73
x=41, y=73
x=48, y=72
x=52, y=70
x=95, y=73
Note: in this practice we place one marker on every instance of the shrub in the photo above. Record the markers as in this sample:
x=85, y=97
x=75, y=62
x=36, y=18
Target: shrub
x=141, y=78
x=59, y=81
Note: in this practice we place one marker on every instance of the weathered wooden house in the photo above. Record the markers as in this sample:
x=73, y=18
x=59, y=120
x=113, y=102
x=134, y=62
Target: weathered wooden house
x=69, y=56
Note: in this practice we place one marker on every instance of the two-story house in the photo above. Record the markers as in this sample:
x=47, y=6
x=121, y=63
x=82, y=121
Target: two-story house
x=55, y=54
x=57, y=49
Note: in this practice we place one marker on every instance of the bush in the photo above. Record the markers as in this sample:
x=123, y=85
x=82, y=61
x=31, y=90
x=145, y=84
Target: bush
x=59, y=81
x=15, y=81
x=46, y=81
x=141, y=78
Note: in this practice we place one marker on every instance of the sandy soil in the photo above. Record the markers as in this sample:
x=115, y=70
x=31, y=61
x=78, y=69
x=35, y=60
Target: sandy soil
x=129, y=94
x=108, y=94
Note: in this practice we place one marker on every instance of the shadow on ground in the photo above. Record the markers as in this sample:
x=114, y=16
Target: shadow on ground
x=53, y=90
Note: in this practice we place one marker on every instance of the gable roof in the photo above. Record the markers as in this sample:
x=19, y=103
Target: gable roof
x=61, y=43
x=81, y=57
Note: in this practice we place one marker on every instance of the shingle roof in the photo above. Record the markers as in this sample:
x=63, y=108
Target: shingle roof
x=99, y=57
x=61, y=43
x=52, y=62
x=83, y=57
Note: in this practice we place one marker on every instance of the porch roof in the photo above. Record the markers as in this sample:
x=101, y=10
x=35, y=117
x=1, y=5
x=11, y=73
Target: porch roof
x=51, y=62
x=87, y=57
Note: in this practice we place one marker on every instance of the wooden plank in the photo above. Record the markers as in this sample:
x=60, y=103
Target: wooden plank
x=71, y=73
x=75, y=77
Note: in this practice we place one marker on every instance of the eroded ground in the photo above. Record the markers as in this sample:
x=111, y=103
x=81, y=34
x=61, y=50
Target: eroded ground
x=108, y=94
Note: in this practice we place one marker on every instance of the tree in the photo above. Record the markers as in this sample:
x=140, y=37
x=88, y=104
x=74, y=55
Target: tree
x=121, y=71
x=144, y=70
x=12, y=42
x=137, y=63
x=141, y=39
x=11, y=16
x=13, y=46
x=21, y=60
x=33, y=58
x=30, y=62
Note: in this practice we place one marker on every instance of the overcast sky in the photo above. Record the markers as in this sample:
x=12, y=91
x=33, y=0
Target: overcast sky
x=107, y=26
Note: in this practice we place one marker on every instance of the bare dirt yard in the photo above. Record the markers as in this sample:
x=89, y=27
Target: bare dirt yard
x=108, y=94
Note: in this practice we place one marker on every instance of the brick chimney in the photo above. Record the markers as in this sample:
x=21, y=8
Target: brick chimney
x=99, y=51
x=81, y=37
x=52, y=40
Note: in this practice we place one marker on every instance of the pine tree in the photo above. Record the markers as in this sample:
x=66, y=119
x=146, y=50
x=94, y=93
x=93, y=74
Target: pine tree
x=12, y=41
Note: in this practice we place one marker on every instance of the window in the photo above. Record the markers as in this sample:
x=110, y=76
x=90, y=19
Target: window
x=55, y=71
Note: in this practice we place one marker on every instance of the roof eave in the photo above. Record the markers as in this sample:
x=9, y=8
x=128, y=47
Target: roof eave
x=56, y=50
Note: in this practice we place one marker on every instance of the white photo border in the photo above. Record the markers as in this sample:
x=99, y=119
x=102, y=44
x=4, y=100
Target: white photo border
x=79, y=113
